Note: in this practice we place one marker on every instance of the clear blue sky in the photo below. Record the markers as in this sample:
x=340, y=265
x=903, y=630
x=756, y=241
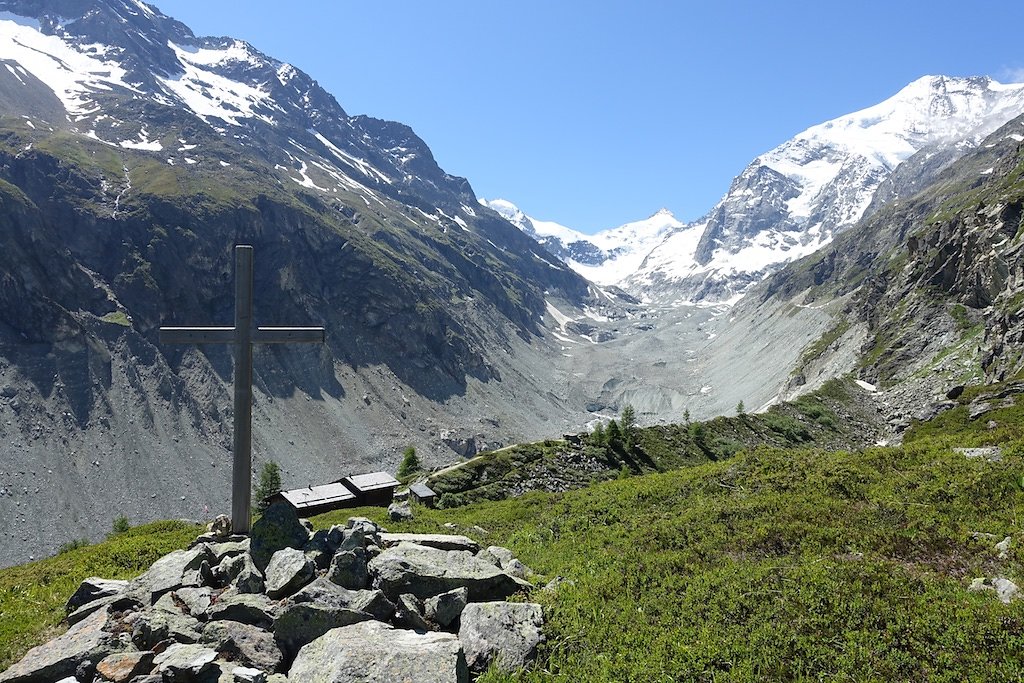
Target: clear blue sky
x=597, y=113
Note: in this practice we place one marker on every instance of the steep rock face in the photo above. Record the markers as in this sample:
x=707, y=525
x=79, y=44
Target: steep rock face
x=936, y=278
x=141, y=156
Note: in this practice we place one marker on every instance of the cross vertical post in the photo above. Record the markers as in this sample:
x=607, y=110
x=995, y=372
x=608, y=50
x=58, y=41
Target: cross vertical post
x=241, y=489
x=243, y=335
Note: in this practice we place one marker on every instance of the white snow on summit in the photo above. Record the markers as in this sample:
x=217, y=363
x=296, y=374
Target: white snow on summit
x=606, y=257
x=932, y=109
x=73, y=74
x=211, y=95
x=792, y=200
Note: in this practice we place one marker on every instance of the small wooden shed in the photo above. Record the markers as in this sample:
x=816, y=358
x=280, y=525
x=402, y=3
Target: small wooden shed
x=314, y=500
x=422, y=494
x=374, y=488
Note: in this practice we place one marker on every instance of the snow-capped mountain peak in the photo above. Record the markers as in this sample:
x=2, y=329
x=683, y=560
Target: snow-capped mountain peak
x=606, y=257
x=792, y=200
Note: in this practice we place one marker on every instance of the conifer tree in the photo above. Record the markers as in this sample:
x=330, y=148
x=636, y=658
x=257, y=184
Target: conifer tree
x=269, y=484
x=613, y=433
x=410, y=464
x=628, y=422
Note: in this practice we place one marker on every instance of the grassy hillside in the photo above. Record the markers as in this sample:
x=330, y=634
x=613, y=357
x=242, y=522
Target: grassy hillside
x=772, y=564
x=839, y=415
x=32, y=596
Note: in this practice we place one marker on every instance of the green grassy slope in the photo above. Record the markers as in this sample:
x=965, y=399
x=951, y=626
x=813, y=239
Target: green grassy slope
x=773, y=564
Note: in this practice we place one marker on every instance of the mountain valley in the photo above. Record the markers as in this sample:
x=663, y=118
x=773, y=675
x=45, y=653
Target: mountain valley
x=134, y=155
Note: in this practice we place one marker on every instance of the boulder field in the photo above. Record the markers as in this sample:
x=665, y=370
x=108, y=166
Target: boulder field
x=351, y=603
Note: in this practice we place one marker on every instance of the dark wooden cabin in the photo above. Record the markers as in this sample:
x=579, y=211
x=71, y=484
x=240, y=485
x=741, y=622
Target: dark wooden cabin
x=314, y=500
x=374, y=488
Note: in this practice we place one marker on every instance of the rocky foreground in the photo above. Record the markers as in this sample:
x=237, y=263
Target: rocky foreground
x=352, y=603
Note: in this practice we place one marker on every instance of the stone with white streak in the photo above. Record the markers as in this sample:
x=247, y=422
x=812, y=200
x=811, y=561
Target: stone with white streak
x=504, y=633
x=372, y=652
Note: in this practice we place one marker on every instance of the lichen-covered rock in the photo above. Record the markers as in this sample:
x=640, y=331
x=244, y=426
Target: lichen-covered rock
x=426, y=572
x=94, y=588
x=372, y=652
x=289, y=570
x=163, y=622
x=348, y=569
x=124, y=666
x=184, y=662
x=445, y=609
x=60, y=657
x=319, y=549
x=439, y=541
x=172, y=571
x=277, y=529
x=245, y=645
x=302, y=623
x=253, y=609
x=502, y=632
x=363, y=524
x=400, y=511
x=329, y=594
x=248, y=578
x=508, y=562
x=409, y=613
x=193, y=601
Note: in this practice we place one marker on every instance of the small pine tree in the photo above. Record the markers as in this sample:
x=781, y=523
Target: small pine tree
x=628, y=425
x=121, y=524
x=613, y=433
x=597, y=437
x=686, y=417
x=410, y=464
x=270, y=483
x=740, y=409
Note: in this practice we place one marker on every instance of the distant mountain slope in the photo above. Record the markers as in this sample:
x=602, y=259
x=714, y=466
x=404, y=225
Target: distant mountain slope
x=133, y=155
x=930, y=287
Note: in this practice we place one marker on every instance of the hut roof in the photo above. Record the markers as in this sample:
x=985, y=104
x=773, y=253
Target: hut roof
x=311, y=496
x=372, y=481
x=421, y=490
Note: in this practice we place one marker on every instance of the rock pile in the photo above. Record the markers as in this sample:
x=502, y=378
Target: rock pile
x=351, y=603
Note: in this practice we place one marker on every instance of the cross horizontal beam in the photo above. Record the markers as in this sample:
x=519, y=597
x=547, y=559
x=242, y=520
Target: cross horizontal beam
x=229, y=335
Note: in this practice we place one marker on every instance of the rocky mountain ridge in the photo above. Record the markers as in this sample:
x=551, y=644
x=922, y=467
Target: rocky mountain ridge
x=928, y=288
x=794, y=199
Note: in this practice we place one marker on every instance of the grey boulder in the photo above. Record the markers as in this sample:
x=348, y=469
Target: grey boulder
x=184, y=662
x=246, y=645
x=328, y=594
x=439, y=541
x=59, y=658
x=289, y=570
x=372, y=652
x=175, y=570
x=277, y=529
x=247, y=608
x=348, y=569
x=92, y=589
x=505, y=633
x=302, y=623
x=426, y=572
x=445, y=609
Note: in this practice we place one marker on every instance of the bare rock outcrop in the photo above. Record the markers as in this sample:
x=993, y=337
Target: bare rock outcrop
x=412, y=612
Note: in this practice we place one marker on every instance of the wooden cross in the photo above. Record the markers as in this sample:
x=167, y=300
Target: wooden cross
x=243, y=335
